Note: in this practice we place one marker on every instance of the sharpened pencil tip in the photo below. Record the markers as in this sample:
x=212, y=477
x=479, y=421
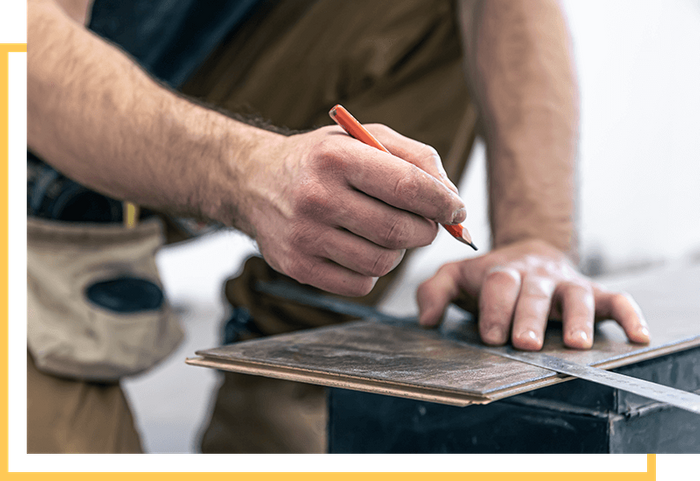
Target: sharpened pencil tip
x=463, y=240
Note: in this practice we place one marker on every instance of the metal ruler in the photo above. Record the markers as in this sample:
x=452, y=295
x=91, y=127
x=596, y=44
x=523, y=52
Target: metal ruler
x=658, y=392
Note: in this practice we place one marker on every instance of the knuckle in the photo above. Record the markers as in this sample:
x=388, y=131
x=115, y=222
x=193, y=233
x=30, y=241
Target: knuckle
x=450, y=270
x=299, y=238
x=503, y=277
x=620, y=301
x=428, y=152
x=308, y=242
x=572, y=288
x=311, y=200
x=324, y=157
x=579, y=301
x=537, y=295
x=301, y=269
x=407, y=186
x=380, y=129
x=538, y=288
x=546, y=268
x=397, y=236
x=384, y=263
x=542, y=266
x=320, y=150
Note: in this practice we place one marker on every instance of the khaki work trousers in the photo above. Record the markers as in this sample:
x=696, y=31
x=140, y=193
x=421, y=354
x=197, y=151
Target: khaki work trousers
x=396, y=63
x=69, y=416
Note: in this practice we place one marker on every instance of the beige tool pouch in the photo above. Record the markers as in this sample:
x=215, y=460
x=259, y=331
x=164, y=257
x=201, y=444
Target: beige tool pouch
x=68, y=333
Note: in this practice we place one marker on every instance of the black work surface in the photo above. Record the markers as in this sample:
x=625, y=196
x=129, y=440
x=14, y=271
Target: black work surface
x=571, y=417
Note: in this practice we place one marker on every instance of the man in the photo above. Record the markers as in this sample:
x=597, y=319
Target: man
x=408, y=73
x=323, y=208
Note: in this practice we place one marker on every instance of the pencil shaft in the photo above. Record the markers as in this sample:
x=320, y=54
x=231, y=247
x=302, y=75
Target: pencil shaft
x=350, y=124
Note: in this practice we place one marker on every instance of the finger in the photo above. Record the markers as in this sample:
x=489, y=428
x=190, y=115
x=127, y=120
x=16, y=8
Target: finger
x=497, y=304
x=419, y=154
x=361, y=214
x=578, y=312
x=531, y=312
x=331, y=277
x=436, y=293
x=622, y=308
x=359, y=255
x=383, y=224
x=403, y=185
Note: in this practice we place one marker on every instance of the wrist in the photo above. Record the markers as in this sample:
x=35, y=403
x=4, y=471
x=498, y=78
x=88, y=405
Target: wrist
x=239, y=174
x=531, y=194
x=563, y=239
x=559, y=233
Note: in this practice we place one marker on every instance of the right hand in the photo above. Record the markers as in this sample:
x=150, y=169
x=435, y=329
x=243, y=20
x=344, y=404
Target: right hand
x=332, y=212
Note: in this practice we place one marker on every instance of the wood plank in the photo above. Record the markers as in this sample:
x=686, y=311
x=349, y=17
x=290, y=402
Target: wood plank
x=448, y=365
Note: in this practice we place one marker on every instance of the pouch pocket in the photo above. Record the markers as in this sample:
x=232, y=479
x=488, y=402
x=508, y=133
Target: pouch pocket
x=96, y=309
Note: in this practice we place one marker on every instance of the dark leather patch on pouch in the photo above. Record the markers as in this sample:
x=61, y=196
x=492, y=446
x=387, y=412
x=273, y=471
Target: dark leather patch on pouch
x=126, y=295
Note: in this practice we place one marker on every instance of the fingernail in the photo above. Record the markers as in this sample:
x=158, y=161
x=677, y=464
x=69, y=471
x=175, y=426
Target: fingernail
x=529, y=337
x=581, y=336
x=644, y=332
x=459, y=215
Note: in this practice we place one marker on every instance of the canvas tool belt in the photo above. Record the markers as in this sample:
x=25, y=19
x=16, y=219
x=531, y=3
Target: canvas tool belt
x=96, y=309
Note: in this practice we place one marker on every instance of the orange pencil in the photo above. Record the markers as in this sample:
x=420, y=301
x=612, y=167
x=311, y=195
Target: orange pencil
x=343, y=118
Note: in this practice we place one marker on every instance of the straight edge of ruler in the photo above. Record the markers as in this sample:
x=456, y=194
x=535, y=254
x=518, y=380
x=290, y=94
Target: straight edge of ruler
x=658, y=392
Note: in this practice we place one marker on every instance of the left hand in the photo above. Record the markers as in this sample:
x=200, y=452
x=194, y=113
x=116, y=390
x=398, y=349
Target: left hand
x=517, y=288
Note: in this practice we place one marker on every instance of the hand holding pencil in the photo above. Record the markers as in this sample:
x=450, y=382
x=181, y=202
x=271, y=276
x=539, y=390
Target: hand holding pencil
x=334, y=213
x=355, y=129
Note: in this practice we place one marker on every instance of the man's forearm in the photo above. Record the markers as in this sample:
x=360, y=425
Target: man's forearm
x=519, y=66
x=325, y=209
x=98, y=118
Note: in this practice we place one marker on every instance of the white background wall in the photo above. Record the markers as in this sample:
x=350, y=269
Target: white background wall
x=639, y=66
x=639, y=70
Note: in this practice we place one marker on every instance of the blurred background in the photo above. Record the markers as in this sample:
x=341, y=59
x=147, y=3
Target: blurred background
x=639, y=196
